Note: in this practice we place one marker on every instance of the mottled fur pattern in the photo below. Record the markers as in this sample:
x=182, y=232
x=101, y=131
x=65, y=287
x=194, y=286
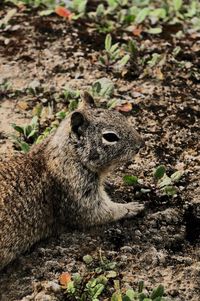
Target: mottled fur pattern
x=61, y=180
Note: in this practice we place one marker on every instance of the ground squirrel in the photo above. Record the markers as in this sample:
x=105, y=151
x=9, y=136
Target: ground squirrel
x=60, y=181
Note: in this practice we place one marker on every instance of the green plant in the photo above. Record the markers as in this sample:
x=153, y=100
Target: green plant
x=167, y=184
x=5, y=86
x=72, y=97
x=102, y=87
x=126, y=15
x=79, y=289
x=100, y=17
x=27, y=134
x=71, y=93
x=34, y=3
x=130, y=180
x=117, y=56
x=164, y=183
x=78, y=7
x=101, y=278
x=91, y=285
x=138, y=294
x=30, y=133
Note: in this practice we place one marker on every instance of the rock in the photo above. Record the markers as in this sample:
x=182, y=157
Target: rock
x=52, y=286
x=126, y=249
x=42, y=296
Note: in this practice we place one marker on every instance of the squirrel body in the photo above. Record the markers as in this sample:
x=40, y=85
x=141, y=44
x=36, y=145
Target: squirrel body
x=60, y=181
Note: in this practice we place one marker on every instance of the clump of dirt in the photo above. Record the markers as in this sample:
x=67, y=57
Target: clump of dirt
x=162, y=246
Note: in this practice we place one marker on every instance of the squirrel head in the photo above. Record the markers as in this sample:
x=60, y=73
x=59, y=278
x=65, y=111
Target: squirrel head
x=102, y=138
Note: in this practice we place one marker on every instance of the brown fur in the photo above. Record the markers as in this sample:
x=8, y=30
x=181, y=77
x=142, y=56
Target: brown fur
x=61, y=180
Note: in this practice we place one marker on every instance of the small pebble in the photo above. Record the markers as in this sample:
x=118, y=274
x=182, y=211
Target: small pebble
x=126, y=249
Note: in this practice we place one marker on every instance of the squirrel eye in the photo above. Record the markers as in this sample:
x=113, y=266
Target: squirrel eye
x=110, y=138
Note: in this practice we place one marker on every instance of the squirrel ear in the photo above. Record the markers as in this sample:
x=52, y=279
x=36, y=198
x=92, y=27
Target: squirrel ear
x=77, y=121
x=87, y=100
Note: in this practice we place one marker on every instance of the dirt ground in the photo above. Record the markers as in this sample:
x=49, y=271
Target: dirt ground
x=163, y=246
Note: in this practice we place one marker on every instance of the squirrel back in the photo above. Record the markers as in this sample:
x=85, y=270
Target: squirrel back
x=60, y=181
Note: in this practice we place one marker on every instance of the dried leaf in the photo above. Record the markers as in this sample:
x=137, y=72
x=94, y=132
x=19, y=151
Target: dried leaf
x=64, y=278
x=137, y=31
x=22, y=105
x=63, y=12
x=159, y=74
x=127, y=107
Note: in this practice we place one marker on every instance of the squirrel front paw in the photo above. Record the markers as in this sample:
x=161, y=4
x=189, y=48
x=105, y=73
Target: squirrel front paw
x=133, y=209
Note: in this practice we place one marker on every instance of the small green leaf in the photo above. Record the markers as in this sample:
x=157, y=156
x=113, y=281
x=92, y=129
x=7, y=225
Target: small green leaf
x=111, y=265
x=32, y=133
x=46, y=132
x=111, y=274
x=87, y=259
x=141, y=16
x=159, y=172
x=27, y=130
x=46, y=12
x=102, y=60
x=34, y=121
x=176, y=51
x=158, y=299
x=165, y=181
x=17, y=128
x=126, y=298
x=155, y=30
x=154, y=59
x=103, y=87
x=61, y=115
x=73, y=104
x=130, y=180
x=102, y=279
x=98, y=270
x=132, y=46
x=159, y=13
x=108, y=42
x=131, y=294
x=100, y=10
x=158, y=292
x=170, y=190
x=24, y=147
x=70, y=287
x=123, y=61
x=140, y=286
x=98, y=290
x=96, y=87
x=177, y=4
x=117, y=296
x=192, y=10
x=112, y=3
x=142, y=296
x=114, y=47
x=77, y=278
x=175, y=177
